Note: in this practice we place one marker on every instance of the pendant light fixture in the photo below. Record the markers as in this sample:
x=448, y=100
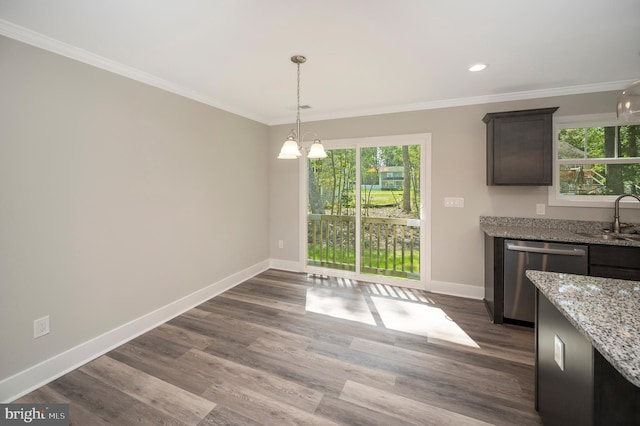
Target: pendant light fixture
x=629, y=103
x=292, y=147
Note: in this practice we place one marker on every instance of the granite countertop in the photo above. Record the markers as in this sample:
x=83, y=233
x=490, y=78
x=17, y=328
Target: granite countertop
x=604, y=310
x=558, y=230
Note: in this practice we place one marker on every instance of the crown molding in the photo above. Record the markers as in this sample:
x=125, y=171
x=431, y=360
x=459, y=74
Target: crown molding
x=42, y=41
x=474, y=100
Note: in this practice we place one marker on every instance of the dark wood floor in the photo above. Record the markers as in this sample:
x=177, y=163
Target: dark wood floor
x=263, y=354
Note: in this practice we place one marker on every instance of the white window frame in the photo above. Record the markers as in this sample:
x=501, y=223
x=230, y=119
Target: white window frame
x=591, y=120
x=422, y=139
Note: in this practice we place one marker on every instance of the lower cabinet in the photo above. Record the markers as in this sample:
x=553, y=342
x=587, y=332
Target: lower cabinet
x=614, y=262
x=575, y=384
x=494, y=278
x=606, y=261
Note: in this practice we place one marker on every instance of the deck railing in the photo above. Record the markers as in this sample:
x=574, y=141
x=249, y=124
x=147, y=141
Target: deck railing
x=388, y=246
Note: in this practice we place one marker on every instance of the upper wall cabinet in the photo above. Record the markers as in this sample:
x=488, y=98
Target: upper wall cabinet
x=520, y=147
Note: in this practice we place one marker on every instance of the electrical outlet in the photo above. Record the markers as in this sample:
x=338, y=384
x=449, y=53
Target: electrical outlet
x=280, y=244
x=40, y=327
x=558, y=352
x=540, y=209
x=454, y=202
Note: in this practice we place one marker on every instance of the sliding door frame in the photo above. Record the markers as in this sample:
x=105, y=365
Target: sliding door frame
x=422, y=139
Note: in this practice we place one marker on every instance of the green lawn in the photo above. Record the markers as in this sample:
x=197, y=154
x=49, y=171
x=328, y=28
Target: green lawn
x=378, y=197
x=320, y=252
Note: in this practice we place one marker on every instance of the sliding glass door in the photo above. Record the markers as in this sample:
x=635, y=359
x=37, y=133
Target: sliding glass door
x=331, y=210
x=390, y=211
x=364, y=211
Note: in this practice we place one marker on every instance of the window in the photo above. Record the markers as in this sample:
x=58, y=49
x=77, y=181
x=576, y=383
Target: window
x=360, y=222
x=596, y=159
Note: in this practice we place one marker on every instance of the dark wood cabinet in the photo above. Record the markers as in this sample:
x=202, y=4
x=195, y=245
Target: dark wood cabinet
x=589, y=390
x=520, y=147
x=614, y=262
x=494, y=278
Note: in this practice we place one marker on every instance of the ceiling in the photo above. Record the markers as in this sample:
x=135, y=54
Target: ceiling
x=363, y=56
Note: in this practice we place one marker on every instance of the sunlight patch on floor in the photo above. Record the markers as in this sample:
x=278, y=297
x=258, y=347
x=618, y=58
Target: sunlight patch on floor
x=331, y=302
x=423, y=320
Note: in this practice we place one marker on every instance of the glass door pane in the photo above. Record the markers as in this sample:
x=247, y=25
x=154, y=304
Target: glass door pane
x=331, y=209
x=390, y=211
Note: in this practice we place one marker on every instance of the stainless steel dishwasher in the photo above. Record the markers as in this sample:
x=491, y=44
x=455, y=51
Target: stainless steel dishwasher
x=519, y=256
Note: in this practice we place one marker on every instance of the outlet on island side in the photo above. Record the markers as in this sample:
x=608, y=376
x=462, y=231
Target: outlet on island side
x=40, y=327
x=280, y=244
x=558, y=352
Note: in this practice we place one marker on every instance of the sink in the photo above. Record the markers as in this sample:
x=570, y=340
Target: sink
x=601, y=236
x=610, y=236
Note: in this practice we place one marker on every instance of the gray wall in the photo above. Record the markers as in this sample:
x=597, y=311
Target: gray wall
x=116, y=198
x=458, y=170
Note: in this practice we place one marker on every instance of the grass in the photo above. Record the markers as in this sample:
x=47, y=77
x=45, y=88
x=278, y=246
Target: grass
x=378, y=197
x=349, y=258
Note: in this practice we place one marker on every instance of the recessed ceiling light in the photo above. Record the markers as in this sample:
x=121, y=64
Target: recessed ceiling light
x=477, y=67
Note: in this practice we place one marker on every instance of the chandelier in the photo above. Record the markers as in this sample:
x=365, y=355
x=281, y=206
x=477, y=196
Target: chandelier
x=292, y=147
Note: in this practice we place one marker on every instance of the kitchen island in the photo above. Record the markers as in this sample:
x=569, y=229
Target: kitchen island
x=587, y=349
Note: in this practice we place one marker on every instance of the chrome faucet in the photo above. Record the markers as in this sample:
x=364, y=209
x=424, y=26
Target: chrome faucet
x=616, y=211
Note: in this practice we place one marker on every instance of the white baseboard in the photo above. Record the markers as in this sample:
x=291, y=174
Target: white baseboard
x=40, y=374
x=441, y=287
x=455, y=289
x=285, y=265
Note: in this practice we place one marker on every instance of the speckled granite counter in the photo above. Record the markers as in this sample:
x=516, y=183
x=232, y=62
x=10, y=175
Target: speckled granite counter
x=548, y=230
x=605, y=311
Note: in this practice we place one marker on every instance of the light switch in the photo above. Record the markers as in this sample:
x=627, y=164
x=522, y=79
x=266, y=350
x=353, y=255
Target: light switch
x=454, y=202
x=558, y=352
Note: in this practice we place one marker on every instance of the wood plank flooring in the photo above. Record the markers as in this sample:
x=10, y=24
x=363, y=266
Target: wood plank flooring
x=291, y=349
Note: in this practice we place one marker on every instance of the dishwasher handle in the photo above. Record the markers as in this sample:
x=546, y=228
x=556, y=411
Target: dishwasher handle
x=542, y=250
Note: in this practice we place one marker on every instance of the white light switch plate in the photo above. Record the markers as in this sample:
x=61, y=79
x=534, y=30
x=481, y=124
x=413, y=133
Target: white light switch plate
x=540, y=209
x=454, y=202
x=558, y=352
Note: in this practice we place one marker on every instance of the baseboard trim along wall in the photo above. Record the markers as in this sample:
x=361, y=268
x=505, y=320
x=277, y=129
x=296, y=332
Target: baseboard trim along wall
x=440, y=287
x=285, y=265
x=40, y=374
x=455, y=289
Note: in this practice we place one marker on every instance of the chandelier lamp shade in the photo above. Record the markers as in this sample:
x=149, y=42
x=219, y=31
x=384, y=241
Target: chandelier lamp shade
x=292, y=146
x=629, y=103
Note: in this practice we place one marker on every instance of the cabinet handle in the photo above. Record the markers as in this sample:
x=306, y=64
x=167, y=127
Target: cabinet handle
x=561, y=252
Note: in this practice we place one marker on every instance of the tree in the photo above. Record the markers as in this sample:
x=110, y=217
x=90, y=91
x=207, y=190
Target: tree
x=370, y=164
x=629, y=147
x=615, y=184
x=414, y=157
x=406, y=183
x=315, y=201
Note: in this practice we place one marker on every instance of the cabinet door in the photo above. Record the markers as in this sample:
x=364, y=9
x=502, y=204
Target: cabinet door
x=614, y=262
x=563, y=397
x=520, y=147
